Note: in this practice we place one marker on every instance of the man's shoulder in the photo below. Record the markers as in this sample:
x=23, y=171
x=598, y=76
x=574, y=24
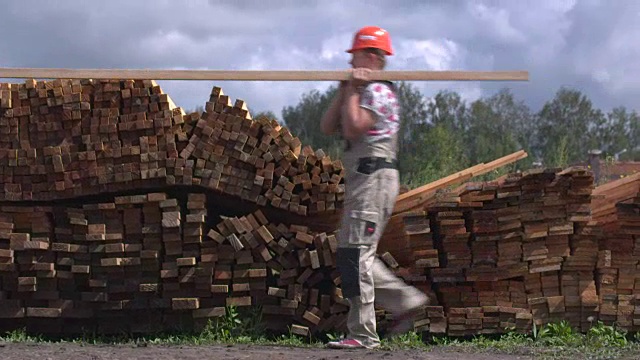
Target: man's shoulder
x=379, y=93
x=379, y=87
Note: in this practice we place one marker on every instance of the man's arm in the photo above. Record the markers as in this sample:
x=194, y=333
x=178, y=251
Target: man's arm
x=356, y=120
x=331, y=118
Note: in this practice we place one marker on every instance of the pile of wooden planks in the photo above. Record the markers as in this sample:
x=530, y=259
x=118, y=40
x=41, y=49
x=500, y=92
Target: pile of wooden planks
x=108, y=266
x=607, y=196
x=418, y=198
x=525, y=242
x=120, y=212
x=66, y=138
x=618, y=261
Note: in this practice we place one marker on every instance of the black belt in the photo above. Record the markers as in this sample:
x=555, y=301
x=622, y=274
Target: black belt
x=369, y=165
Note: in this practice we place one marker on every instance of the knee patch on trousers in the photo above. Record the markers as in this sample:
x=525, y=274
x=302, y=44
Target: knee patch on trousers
x=348, y=264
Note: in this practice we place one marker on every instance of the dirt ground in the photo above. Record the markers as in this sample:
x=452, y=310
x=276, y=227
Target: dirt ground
x=69, y=351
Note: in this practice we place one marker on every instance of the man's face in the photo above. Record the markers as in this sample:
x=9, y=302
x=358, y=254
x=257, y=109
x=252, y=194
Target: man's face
x=361, y=59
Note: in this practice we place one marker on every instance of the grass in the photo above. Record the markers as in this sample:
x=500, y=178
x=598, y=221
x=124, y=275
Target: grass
x=553, y=341
x=233, y=328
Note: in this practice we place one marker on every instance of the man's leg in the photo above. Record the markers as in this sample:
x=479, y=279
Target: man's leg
x=356, y=268
x=392, y=293
x=361, y=228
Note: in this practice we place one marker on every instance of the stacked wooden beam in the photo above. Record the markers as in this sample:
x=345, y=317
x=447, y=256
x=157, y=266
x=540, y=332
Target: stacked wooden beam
x=138, y=257
x=523, y=231
x=469, y=321
x=618, y=262
x=607, y=196
x=419, y=198
x=234, y=211
x=259, y=160
x=410, y=238
x=114, y=259
x=66, y=138
x=615, y=214
x=97, y=262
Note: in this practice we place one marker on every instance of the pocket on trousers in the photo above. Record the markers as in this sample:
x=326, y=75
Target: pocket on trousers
x=363, y=227
x=366, y=168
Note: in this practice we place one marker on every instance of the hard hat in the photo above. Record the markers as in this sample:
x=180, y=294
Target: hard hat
x=372, y=37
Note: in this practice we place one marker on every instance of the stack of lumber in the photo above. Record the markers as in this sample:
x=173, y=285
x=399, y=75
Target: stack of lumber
x=65, y=138
x=618, y=262
x=410, y=238
x=607, y=196
x=418, y=198
x=137, y=264
x=522, y=225
x=469, y=321
x=120, y=212
x=516, y=243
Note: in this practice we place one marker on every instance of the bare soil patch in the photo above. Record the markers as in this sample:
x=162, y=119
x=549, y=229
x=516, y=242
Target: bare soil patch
x=71, y=351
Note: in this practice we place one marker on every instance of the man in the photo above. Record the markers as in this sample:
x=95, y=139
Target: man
x=367, y=114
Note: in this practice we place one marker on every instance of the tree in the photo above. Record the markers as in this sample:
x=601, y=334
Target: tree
x=413, y=122
x=269, y=114
x=567, y=123
x=439, y=153
x=615, y=133
x=515, y=117
x=449, y=109
x=303, y=120
x=432, y=145
x=634, y=136
x=497, y=126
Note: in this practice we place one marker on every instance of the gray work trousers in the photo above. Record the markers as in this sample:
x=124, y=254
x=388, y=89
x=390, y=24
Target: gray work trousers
x=365, y=278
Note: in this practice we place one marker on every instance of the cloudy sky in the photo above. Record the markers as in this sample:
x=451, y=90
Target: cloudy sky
x=591, y=45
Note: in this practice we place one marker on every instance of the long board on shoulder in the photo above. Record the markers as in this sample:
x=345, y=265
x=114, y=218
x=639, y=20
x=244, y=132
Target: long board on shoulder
x=258, y=75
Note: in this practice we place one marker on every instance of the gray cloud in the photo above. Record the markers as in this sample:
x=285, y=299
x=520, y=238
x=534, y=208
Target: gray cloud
x=590, y=45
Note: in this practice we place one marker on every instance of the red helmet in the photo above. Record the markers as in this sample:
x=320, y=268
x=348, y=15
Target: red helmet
x=372, y=37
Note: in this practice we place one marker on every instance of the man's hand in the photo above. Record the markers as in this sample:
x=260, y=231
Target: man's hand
x=360, y=77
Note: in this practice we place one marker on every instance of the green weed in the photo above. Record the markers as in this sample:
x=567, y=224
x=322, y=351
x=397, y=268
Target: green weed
x=21, y=336
x=550, y=341
x=410, y=340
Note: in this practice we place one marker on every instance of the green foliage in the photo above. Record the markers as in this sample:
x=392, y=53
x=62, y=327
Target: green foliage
x=554, y=341
x=559, y=156
x=445, y=134
x=440, y=152
x=20, y=336
x=448, y=109
x=303, y=120
x=235, y=324
x=568, y=125
x=601, y=335
x=498, y=126
x=238, y=326
x=410, y=340
x=225, y=328
x=268, y=114
x=559, y=334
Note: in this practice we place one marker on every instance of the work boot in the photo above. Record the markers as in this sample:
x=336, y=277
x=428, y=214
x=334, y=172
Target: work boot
x=346, y=344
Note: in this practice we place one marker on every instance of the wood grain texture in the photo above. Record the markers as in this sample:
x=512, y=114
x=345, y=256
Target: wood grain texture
x=258, y=75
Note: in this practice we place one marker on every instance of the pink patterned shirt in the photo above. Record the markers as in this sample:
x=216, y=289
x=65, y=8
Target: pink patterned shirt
x=380, y=98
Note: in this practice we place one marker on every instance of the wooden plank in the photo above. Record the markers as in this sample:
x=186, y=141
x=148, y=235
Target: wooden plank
x=258, y=75
x=413, y=195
